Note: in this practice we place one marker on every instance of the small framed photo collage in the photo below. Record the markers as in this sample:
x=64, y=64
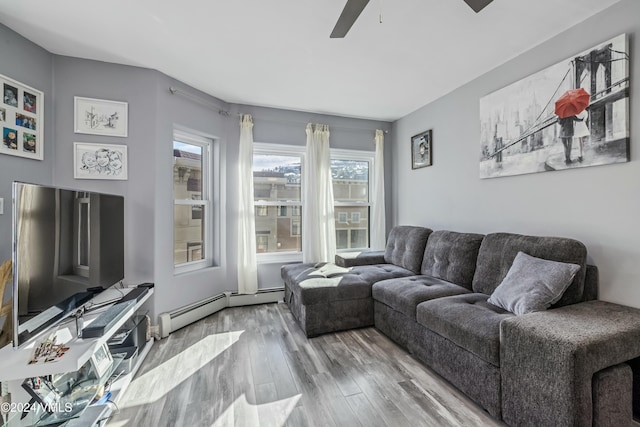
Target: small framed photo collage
x=21, y=119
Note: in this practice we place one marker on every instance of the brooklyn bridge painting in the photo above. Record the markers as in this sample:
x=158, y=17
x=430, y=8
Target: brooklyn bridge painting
x=570, y=115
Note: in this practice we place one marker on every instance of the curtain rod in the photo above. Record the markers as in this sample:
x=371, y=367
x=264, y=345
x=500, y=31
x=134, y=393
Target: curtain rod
x=205, y=102
x=304, y=123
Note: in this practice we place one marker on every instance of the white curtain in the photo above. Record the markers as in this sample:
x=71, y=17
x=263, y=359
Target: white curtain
x=318, y=219
x=247, y=266
x=378, y=220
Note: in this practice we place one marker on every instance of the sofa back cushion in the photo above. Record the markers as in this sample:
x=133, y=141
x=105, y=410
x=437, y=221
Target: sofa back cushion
x=498, y=251
x=452, y=256
x=405, y=246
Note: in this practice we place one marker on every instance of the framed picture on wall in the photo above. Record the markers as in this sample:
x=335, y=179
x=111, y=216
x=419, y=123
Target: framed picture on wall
x=99, y=161
x=100, y=117
x=572, y=114
x=21, y=120
x=421, y=149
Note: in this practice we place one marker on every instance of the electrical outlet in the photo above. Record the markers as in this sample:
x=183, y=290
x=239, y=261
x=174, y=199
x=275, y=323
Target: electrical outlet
x=1, y=206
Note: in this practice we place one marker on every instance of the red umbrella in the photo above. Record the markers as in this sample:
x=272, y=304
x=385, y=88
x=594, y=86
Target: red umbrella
x=572, y=102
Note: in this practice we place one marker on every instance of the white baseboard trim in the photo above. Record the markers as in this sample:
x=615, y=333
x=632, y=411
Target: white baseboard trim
x=174, y=320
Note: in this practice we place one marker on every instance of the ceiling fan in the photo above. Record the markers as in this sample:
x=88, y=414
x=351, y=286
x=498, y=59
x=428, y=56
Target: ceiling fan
x=354, y=8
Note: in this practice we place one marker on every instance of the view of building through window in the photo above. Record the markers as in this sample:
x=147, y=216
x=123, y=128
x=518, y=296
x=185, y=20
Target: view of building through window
x=277, y=183
x=276, y=187
x=351, y=195
x=189, y=219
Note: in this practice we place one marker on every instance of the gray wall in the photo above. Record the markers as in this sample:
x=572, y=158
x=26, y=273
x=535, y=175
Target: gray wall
x=93, y=79
x=176, y=110
x=598, y=205
x=153, y=114
x=27, y=63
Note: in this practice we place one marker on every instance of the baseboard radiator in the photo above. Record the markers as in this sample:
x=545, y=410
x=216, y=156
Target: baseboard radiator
x=174, y=320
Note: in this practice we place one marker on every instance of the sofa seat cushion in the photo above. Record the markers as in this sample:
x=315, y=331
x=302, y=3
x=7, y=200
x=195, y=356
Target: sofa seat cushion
x=406, y=293
x=320, y=283
x=468, y=321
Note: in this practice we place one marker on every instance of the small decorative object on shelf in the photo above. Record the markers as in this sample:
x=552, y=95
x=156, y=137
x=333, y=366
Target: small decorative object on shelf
x=46, y=350
x=44, y=393
x=101, y=360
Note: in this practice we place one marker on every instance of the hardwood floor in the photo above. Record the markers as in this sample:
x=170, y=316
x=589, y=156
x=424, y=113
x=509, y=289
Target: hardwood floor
x=253, y=366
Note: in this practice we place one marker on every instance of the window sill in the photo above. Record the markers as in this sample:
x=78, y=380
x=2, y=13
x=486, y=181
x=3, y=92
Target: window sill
x=191, y=267
x=278, y=257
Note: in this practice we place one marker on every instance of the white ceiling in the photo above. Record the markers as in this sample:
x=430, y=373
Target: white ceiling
x=277, y=53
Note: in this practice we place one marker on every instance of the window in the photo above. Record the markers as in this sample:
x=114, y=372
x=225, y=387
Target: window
x=277, y=180
x=295, y=227
x=262, y=210
x=351, y=188
x=262, y=243
x=277, y=172
x=192, y=210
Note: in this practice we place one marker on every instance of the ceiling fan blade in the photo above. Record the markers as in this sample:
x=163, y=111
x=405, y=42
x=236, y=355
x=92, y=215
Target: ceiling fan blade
x=478, y=5
x=349, y=14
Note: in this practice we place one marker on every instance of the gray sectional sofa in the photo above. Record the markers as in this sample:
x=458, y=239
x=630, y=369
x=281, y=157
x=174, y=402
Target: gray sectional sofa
x=429, y=291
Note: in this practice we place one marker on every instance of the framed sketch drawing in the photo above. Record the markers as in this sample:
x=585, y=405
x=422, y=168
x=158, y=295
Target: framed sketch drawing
x=421, y=149
x=99, y=161
x=21, y=120
x=100, y=117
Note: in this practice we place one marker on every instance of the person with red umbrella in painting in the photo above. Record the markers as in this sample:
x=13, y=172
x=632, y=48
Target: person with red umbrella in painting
x=568, y=106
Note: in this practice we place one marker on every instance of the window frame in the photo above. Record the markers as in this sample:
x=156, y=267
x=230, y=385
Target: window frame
x=360, y=156
x=206, y=201
x=262, y=148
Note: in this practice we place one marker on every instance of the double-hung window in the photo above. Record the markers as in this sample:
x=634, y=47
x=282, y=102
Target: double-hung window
x=277, y=182
x=350, y=172
x=277, y=179
x=192, y=210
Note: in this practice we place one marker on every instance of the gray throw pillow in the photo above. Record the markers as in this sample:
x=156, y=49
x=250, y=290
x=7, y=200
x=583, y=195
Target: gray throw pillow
x=533, y=284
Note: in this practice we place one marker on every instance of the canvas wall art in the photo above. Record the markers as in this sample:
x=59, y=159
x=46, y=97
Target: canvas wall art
x=570, y=115
x=21, y=113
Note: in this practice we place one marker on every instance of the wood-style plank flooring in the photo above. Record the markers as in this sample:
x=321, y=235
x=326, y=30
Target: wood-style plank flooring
x=253, y=366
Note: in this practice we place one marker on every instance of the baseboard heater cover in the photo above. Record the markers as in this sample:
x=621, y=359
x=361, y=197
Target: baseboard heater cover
x=174, y=320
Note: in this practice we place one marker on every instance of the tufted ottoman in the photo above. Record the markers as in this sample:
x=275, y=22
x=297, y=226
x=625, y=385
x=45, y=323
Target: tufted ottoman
x=326, y=297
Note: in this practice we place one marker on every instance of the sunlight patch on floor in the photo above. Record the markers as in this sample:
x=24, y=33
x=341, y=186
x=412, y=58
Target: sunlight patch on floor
x=119, y=423
x=156, y=383
x=277, y=412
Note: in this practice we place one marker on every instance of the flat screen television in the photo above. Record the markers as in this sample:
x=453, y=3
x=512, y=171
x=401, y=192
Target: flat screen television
x=68, y=245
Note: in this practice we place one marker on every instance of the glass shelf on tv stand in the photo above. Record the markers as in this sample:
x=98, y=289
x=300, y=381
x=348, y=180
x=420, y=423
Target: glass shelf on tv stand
x=72, y=403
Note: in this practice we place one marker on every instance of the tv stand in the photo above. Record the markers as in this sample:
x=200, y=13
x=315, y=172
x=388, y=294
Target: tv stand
x=15, y=365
